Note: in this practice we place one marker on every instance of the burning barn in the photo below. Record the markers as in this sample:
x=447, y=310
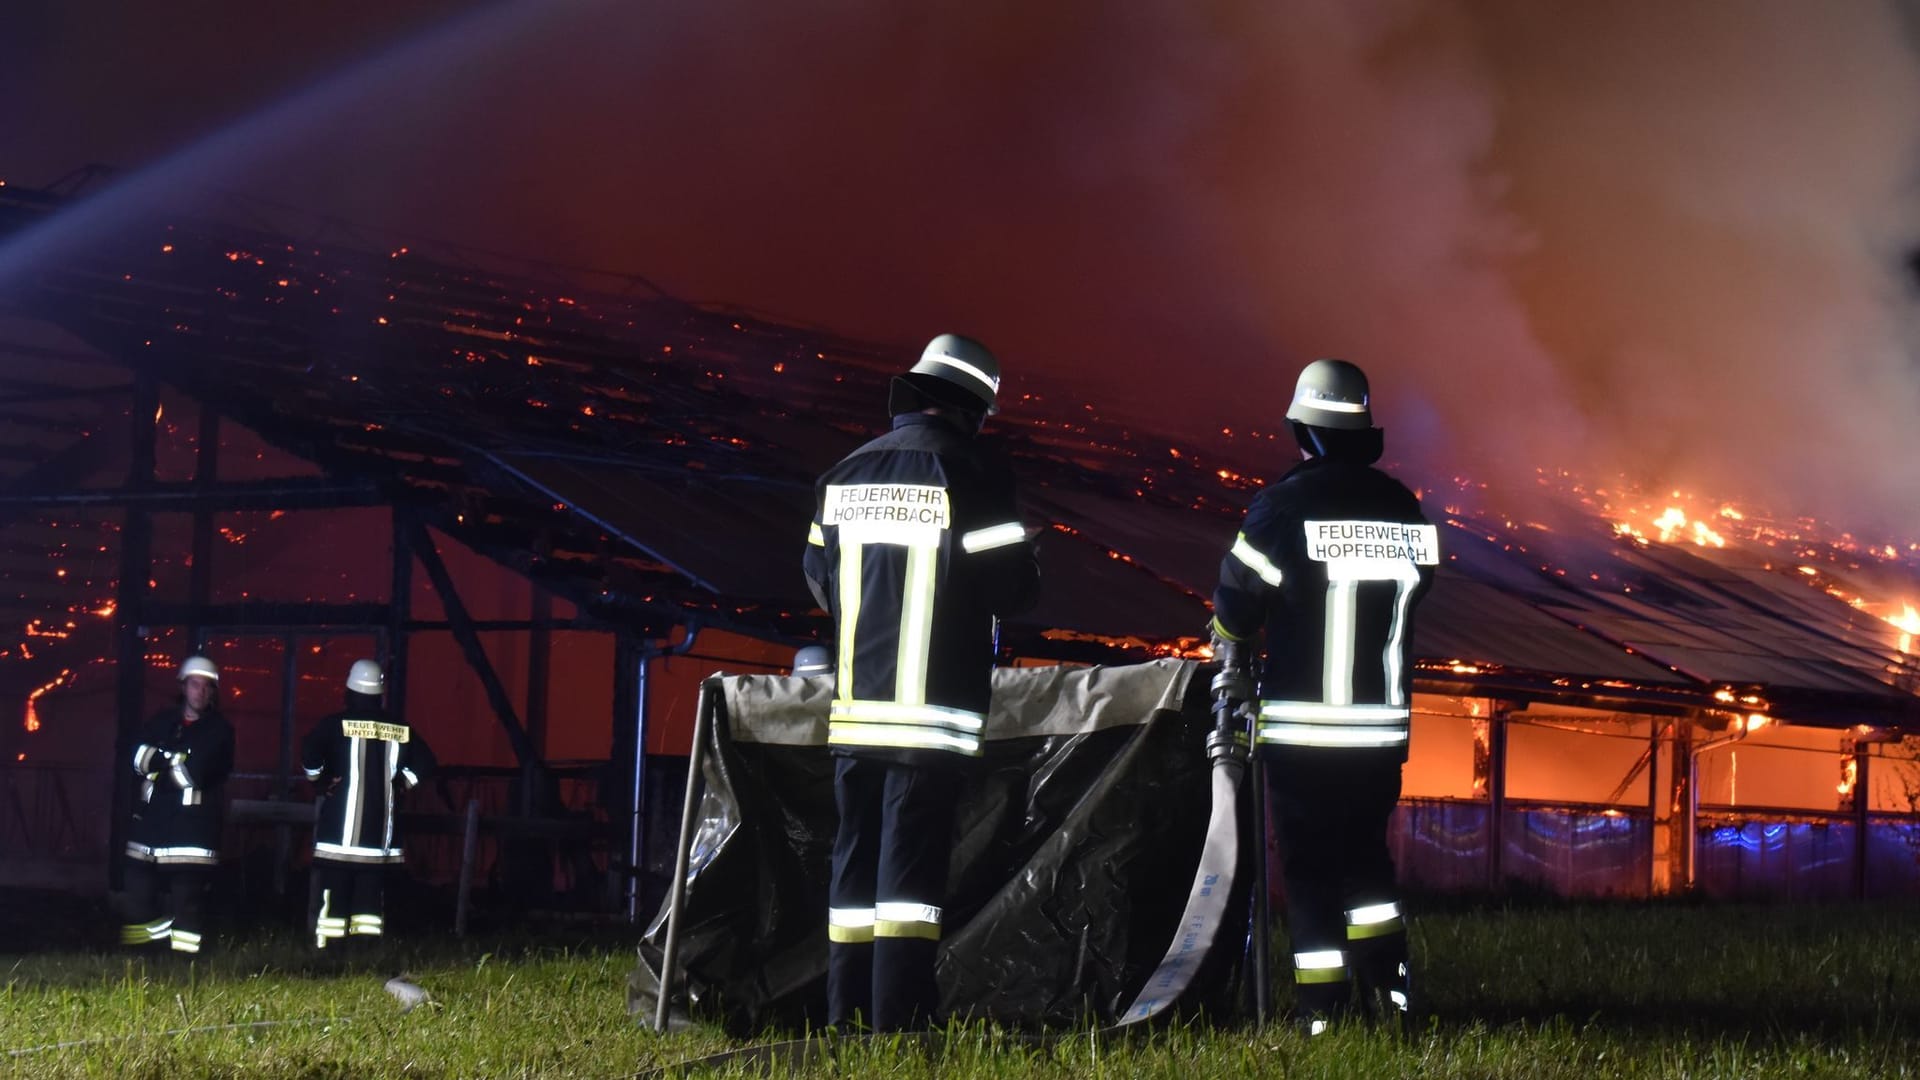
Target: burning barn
x=555, y=500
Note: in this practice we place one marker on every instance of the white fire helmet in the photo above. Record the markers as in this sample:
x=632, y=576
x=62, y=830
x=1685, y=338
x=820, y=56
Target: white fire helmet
x=365, y=677
x=201, y=666
x=811, y=660
x=952, y=370
x=1332, y=394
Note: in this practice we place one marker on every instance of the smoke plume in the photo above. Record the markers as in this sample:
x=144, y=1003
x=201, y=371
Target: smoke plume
x=1665, y=238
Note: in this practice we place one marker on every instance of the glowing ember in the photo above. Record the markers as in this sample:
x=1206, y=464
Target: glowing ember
x=33, y=696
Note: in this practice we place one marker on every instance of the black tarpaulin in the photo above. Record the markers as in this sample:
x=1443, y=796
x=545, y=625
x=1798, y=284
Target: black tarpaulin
x=1076, y=842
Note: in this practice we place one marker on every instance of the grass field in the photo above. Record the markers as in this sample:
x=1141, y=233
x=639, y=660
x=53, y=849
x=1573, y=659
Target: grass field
x=1664, y=990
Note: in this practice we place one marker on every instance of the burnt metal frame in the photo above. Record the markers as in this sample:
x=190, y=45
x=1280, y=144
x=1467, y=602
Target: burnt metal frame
x=129, y=621
x=461, y=624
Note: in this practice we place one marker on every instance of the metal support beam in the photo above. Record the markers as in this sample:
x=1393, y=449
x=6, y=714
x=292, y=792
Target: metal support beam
x=315, y=494
x=129, y=629
x=496, y=625
x=206, y=468
x=1660, y=873
x=263, y=615
x=57, y=393
x=1685, y=811
x=1496, y=794
x=283, y=782
x=539, y=661
x=1862, y=806
x=469, y=640
x=399, y=612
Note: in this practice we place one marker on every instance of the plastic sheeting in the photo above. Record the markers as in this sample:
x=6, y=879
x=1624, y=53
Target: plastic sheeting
x=1076, y=842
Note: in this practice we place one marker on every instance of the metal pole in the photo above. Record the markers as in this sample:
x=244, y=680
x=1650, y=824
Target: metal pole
x=129, y=629
x=469, y=851
x=539, y=666
x=1862, y=805
x=283, y=781
x=1692, y=795
x=399, y=613
x=1496, y=794
x=1262, y=884
x=636, y=838
x=206, y=467
x=637, y=845
x=689, y=810
x=1654, y=875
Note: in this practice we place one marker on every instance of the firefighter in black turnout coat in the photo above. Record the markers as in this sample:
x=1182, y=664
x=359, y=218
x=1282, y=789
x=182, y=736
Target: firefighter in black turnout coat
x=361, y=761
x=1331, y=562
x=915, y=549
x=182, y=761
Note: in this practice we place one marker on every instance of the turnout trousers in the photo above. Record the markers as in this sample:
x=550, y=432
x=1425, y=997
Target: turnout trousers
x=889, y=881
x=352, y=900
x=1343, y=904
x=166, y=904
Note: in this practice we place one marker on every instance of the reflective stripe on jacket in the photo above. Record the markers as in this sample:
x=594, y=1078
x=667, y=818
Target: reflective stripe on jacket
x=179, y=800
x=1330, y=562
x=361, y=762
x=915, y=548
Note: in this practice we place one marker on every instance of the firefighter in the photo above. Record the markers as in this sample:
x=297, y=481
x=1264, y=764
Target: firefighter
x=182, y=760
x=360, y=760
x=916, y=549
x=1330, y=563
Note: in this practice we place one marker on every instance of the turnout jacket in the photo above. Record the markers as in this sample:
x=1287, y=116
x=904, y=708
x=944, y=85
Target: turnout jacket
x=1331, y=562
x=362, y=761
x=916, y=548
x=179, y=804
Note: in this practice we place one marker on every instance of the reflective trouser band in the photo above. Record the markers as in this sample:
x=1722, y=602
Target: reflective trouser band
x=142, y=933
x=1330, y=735
x=355, y=853
x=1320, y=966
x=850, y=926
x=906, y=920
x=1374, y=920
x=176, y=855
x=1313, y=723
x=1316, y=712
x=894, y=725
x=370, y=925
x=327, y=926
x=900, y=737
x=185, y=941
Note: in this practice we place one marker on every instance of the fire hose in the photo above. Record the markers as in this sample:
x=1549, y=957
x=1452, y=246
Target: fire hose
x=1213, y=880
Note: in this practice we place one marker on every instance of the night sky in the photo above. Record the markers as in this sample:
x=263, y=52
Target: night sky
x=1670, y=237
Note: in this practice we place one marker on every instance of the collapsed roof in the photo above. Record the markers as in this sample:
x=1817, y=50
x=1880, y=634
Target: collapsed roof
x=652, y=460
